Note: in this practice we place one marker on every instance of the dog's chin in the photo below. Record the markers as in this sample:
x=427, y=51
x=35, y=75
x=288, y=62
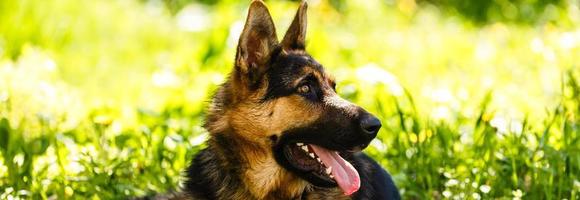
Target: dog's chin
x=301, y=159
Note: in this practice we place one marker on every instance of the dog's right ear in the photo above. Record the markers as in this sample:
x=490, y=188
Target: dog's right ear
x=257, y=42
x=296, y=35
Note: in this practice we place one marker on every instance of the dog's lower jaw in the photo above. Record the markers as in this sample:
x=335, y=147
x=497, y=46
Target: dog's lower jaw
x=224, y=170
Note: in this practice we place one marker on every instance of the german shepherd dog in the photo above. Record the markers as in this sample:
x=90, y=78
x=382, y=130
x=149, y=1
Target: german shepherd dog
x=278, y=130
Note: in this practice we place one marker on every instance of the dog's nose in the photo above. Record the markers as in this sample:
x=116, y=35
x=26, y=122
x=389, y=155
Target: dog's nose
x=370, y=125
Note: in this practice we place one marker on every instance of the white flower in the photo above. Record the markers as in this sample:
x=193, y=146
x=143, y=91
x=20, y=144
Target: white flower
x=18, y=159
x=500, y=123
x=517, y=194
x=75, y=167
x=451, y=182
x=447, y=193
x=485, y=188
x=447, y=174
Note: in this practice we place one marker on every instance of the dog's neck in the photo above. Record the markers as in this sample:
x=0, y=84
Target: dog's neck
x=255, y=168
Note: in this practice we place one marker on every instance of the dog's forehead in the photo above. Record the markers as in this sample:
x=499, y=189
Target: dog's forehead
x=300, y=64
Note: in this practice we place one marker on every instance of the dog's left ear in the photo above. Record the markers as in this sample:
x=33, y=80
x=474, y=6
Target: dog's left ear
x=257, y=42
x=296, y=35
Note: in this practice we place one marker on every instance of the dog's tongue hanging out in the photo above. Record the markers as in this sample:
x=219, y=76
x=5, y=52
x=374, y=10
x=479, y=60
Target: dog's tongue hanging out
x=344, y=173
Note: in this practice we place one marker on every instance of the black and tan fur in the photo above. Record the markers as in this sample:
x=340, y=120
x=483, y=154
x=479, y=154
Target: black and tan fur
x=263, y=105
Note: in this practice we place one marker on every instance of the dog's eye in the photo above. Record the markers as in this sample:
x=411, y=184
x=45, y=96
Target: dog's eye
x=307, y=91
x=304, y=89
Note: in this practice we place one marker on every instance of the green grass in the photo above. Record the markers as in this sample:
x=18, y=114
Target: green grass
x=105, y=99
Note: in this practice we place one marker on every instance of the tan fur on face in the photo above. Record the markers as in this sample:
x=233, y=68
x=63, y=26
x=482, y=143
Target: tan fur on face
x=257, y=120
x=291, y=112
x=253, y=122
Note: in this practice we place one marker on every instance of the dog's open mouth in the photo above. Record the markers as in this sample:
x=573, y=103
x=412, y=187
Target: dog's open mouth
x=323, y=164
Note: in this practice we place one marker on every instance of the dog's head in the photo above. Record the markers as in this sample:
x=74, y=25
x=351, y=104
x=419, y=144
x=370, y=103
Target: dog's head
x=279, y=98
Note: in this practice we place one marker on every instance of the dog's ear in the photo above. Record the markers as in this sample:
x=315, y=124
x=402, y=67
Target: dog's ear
x=257, y=42
x=296, y=34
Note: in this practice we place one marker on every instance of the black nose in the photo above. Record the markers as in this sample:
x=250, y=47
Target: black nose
x=370, y=125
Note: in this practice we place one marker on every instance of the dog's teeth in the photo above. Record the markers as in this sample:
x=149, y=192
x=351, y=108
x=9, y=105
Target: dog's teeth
x=305, y=148
x=300, y=144
x=318, y=159
x=328, y=170
x=331, y=176
x=311, y=155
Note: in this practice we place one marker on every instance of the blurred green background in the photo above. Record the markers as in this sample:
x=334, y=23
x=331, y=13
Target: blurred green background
x=105, y=99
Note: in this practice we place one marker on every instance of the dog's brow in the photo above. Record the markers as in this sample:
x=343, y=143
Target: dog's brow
x=306, y=74
x=312, y=72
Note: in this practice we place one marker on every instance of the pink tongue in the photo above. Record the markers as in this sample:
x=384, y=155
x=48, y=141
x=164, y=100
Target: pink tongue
x=344, y=173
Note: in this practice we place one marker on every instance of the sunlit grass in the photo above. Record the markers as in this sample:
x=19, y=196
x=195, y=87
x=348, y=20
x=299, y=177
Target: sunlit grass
x=105, y=99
